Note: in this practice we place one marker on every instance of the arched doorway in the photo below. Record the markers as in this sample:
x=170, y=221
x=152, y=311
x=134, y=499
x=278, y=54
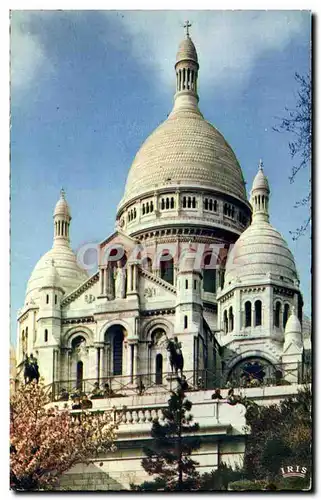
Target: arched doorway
x=113, y=351
x=159, y=369
x=118, y=353
x=77, y=366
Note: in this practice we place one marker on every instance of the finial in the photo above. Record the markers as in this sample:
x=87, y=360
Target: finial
x=293, y=310
x=261, y=164
x=62, y=193
x=187, y=25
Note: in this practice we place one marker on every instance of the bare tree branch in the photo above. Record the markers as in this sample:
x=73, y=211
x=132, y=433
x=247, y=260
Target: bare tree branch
x=298, y=122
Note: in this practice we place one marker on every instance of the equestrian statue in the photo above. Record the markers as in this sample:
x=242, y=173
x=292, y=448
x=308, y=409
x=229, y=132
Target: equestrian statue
x=31, y=369
x=176, y=359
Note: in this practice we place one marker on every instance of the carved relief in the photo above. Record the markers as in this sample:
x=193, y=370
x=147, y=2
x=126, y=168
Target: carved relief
x=150, y=292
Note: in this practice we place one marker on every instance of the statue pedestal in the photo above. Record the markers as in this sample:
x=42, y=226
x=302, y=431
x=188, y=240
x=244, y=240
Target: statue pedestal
x=172, y=382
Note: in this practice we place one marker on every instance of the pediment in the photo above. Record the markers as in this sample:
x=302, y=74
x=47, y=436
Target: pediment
x=84, y=295
x=154, y=291
x=118, y=238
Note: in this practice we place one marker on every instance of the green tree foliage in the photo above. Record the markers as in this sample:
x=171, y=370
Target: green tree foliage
x=169, y=458
x=280, y=434
x=298, y=123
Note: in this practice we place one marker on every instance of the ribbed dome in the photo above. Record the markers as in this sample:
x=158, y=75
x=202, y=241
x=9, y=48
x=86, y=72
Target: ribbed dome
x=51, y=276
x=261, y=181
x=186, y=150
x=258, y=252
x=186, y=51
x=65, y=271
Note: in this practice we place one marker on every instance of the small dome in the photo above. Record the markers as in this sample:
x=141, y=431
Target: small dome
x=261, y=181
x=186, y=50
x=66, y=270
x=259, y=252
x=293, y=324
x=50, y=275
x=62, y=207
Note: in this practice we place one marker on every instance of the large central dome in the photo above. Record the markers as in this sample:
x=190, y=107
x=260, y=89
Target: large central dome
x=185, y=150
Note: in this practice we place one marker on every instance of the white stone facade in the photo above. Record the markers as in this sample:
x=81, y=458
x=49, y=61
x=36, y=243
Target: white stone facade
x=167, y=272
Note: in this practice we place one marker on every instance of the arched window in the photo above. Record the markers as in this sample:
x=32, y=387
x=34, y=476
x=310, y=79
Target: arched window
x=172, y=203
x=189, y=202
x=46, y=336
x=147, y=207
x=159, y=369
x=47, y=299
x=277, y=312
x=230, y=320
x=211, y=205
x=285, y=314
x=167, y=203
x=80, y=375
x=225, y=209
x=225, y=320
x=56, y=298
x=118, y=352
x=184, y=202
x=143, y=209
x=185, y=321
x=209, y=274
x=151, y=206
x=258, y=313
x=233, y=212
x=163, y=204
x=167, y=267
x=215, y=206
x=206, y=204
x=248, y=314
x=194, y=202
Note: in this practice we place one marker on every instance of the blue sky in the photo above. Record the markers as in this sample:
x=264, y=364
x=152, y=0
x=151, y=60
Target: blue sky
x=88, y=87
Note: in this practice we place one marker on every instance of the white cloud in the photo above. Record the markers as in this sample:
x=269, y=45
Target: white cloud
x=228, y=43
x=27, y=55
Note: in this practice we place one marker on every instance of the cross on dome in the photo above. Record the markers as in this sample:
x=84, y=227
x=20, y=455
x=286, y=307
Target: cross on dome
x=260, y=164
x=187, y=25
x=62, y=193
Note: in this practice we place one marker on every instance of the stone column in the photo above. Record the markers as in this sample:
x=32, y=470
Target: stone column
x=237, y=311
x=178, y=200
x=101, y=278
x=135, y=359
x=130, y=370
x=130, y=278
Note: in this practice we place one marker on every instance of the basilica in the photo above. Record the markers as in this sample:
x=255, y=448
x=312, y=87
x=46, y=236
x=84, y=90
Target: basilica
x=191, y=258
